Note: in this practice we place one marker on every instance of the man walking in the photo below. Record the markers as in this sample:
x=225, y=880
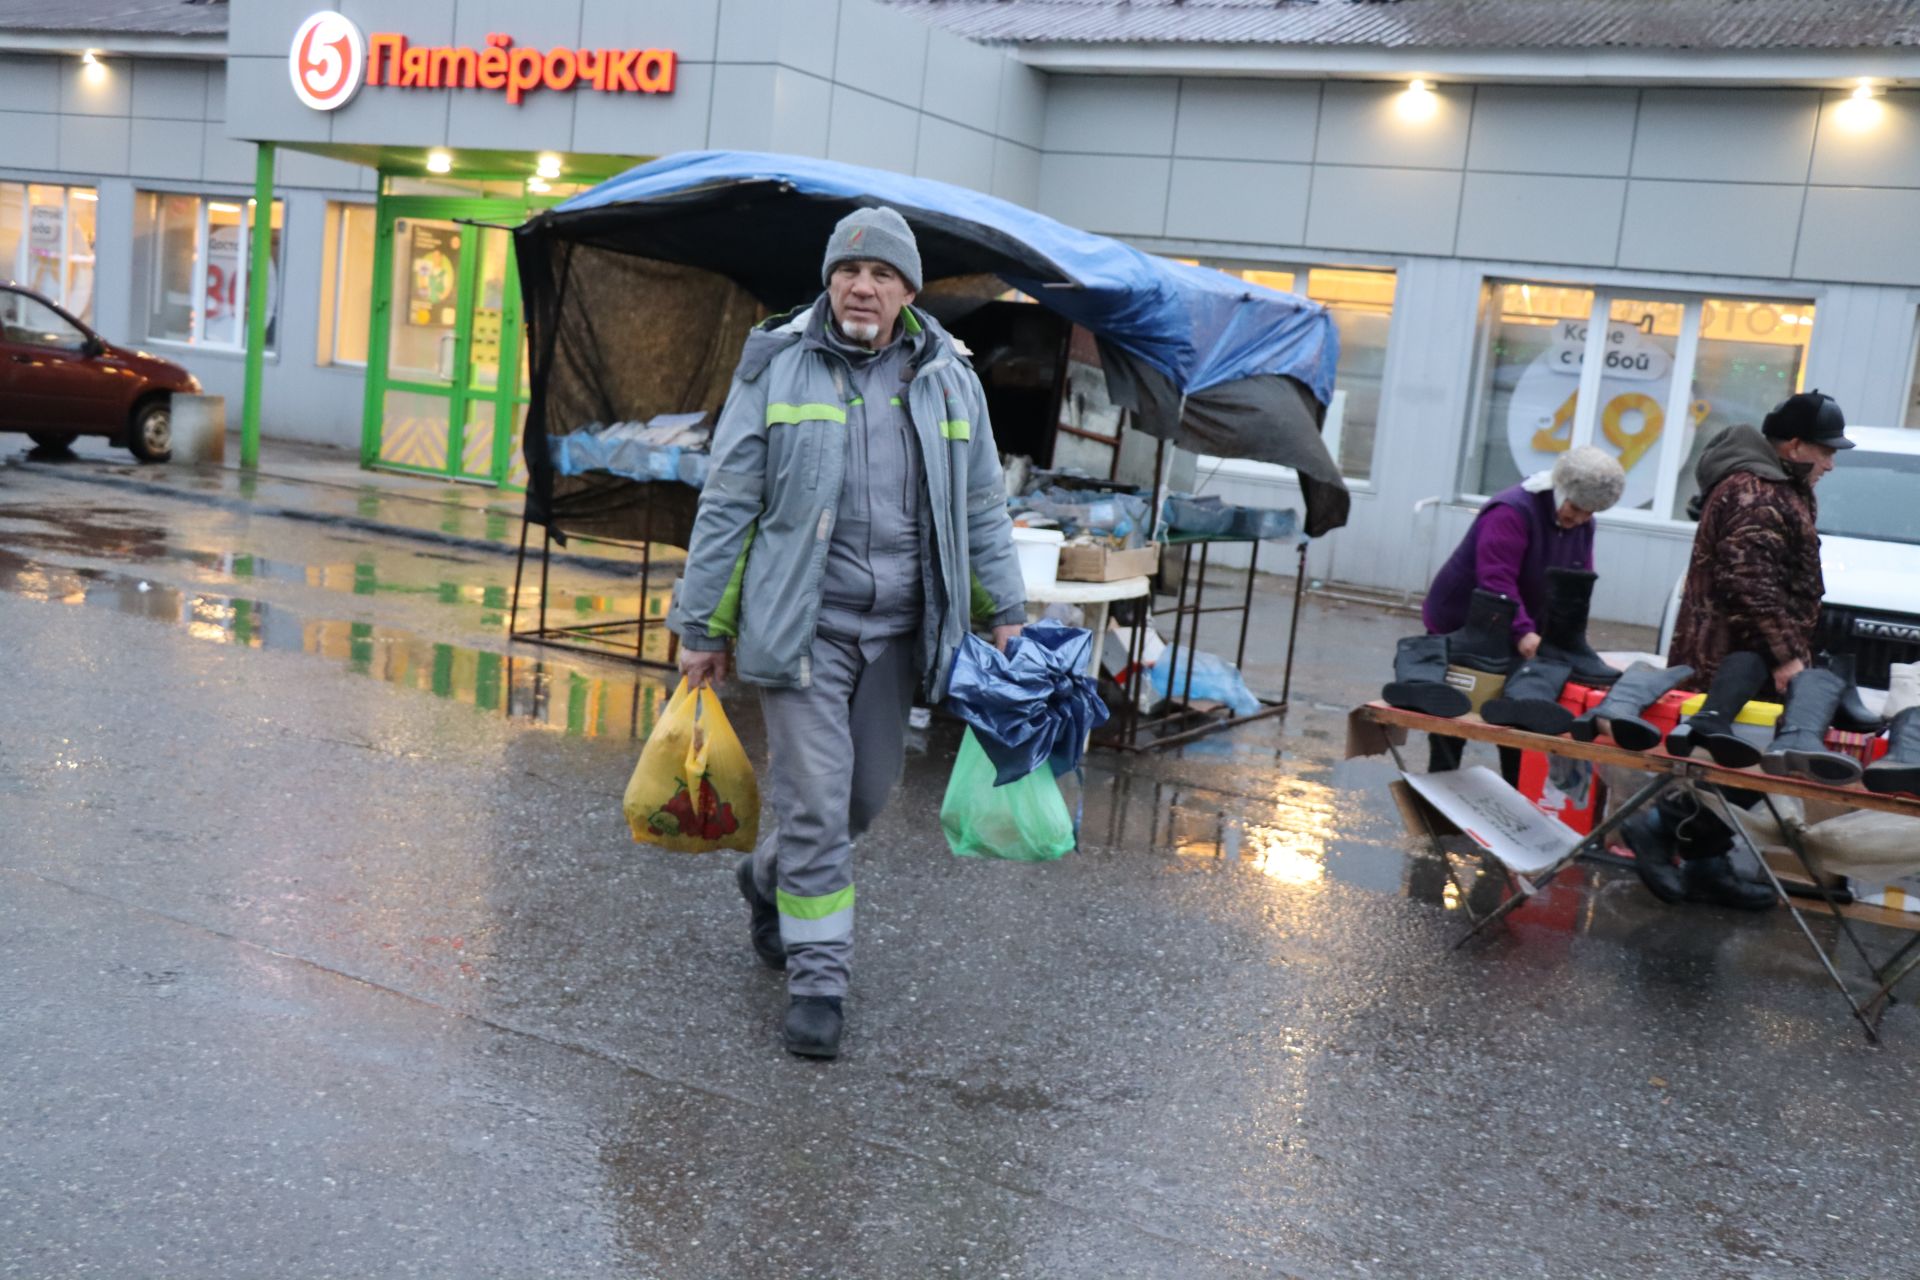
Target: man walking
x=1748, y=612
x=854, y=519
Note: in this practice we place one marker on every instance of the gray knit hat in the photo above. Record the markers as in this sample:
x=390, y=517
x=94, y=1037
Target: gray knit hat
x=878, y=235
x=1589, y=478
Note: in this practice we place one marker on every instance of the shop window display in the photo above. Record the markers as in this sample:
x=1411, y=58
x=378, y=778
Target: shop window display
x=1672, y=373
x=46, y=242
x=192, y=256
x=346, y=299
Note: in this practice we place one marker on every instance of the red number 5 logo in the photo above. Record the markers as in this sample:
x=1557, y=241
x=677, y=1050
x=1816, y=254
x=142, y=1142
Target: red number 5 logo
x=328, y=61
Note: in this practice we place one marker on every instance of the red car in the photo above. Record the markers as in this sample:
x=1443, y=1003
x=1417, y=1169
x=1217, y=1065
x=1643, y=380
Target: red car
x=60, y=380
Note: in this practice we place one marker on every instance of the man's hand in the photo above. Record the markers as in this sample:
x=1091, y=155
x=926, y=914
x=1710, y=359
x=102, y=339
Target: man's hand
x=1001, y=635
x=1784, y=673
x=1529, y=644
x=703, y=666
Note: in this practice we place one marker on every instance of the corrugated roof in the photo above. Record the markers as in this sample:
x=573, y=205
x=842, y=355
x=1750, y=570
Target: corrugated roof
x=117, y=17
x=1440, y=24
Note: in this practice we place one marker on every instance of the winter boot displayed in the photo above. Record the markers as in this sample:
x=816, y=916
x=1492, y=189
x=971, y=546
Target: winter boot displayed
x=1853, y=716
x=1649, y=837
x=1420, y=679
x=1714, y=881
x=813, y=1026
x=1485, y=643
x=1618, y=715
x=1738, y=681
x=1531, y=699
x=766, y=918
x=1799, y=742
x=1563, y=631
x=1899, y=769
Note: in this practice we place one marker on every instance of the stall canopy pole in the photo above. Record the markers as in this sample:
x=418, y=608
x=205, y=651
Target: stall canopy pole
x=260, y=245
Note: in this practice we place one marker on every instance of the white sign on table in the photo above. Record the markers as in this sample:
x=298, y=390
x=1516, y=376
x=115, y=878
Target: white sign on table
x=1496, y=817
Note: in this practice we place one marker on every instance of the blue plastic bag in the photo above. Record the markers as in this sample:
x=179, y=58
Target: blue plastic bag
x=1214, y=679
x=1031, y=705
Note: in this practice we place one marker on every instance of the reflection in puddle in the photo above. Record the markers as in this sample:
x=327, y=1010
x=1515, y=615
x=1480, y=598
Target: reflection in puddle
x=556, y=695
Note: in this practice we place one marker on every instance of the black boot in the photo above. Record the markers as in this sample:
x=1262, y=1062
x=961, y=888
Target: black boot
x=1740, y=678
x=1618, y=715
x=813, y=1026
x=1899, y=769
x=1563, y=632
x=766, y=918
x=1714, y=882
x=1420, y=679
x=1486, y=642
x=1531, y=699
x=1852, y=715
x=1799, y=742
x=1648, y=836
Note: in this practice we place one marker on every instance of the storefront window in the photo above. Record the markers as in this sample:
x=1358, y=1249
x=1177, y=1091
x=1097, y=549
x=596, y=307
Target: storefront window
x=1665, y=376
x=46, y=242
x=193, y=257
x=1361, y=304
x=346, y=301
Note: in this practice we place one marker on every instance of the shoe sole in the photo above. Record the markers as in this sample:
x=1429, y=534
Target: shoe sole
x=1724, y=749
x=1429, y=698
x=1818, y=766
x=813, y=1050
x=1891, y=779
x=1532, y=714
x=1633, y=733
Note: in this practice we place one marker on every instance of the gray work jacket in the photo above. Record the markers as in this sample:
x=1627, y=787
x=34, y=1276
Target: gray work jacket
x=765, y=520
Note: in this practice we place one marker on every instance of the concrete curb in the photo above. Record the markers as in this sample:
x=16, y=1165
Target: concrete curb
x=360, y=524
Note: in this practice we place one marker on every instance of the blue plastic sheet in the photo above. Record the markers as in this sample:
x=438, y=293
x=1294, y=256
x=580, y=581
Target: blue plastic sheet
x=1031, y=705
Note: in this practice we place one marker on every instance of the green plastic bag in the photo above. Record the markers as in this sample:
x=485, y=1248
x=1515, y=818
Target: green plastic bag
x=1024, y=821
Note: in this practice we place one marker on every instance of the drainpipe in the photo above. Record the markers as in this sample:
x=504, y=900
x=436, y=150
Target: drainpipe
x=260, y=243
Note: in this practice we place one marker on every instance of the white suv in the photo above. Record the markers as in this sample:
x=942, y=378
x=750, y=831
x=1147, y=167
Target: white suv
x=1869, y=554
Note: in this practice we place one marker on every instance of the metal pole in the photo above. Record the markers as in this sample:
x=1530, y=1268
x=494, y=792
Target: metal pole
x=1293, y=630
x=261, y=246
x=519, y=565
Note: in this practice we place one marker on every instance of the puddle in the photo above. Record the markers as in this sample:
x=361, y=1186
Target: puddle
x=555, y=695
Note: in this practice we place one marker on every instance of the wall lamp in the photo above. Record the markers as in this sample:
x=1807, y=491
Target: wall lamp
x=1862, y=108
x=439, y=161
x=1418, y=102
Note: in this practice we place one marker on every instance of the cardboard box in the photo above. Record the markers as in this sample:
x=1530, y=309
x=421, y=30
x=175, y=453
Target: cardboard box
x=1097, y=562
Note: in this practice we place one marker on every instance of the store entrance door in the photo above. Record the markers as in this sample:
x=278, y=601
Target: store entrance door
x=447, y=372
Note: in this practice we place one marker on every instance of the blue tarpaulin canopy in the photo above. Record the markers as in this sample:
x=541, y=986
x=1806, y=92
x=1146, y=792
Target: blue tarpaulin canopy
x=1200, y=358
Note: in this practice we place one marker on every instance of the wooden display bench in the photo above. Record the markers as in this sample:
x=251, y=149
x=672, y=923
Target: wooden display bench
x=1375, y=729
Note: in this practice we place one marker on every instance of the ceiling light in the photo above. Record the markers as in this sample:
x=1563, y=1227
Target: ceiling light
x=538, y=185
x=439, y=161
x=548, y=166
x=1419, y=102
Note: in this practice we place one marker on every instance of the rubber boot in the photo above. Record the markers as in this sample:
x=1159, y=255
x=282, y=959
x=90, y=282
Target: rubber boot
x=1420, y=679
x=1486, y=642
x=1852, y=715
x=1714, y=882
x=765, y=918
x=1531, y=699
x=1649, y=837
x=813, y=1026
x=1618, y=715
x=1738, y=681
x=1563, y=632
x=1899, y=769
x=1799, y=743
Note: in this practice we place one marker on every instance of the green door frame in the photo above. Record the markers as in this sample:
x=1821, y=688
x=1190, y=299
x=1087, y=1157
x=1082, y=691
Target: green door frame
x=505, y=396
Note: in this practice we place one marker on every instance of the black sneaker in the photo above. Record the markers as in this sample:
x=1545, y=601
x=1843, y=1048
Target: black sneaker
x=813, y=1026
x=766, y=918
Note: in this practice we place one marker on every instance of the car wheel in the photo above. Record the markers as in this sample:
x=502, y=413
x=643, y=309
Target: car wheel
x=51, y=441
x=152, y=438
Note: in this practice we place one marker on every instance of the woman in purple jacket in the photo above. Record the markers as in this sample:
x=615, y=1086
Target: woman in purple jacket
x=1544, y=522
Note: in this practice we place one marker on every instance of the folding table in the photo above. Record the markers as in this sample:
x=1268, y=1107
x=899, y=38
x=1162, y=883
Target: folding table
x=1376, y=728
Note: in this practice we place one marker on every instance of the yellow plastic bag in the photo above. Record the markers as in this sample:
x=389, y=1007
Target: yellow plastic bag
x=694, y=790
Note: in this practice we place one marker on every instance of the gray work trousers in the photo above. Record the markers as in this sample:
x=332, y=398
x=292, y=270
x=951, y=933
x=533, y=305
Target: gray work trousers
x=836, y=751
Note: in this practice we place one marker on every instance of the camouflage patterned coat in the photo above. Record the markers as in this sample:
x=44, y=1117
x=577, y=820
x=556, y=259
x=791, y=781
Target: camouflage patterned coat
x=1754, y=580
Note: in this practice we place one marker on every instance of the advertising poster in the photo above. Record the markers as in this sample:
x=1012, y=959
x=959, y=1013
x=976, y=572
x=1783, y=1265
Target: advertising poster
x=433, y=274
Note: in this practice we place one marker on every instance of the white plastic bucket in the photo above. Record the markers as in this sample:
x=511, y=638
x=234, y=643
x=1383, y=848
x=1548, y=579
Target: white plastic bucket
x=1039, y=551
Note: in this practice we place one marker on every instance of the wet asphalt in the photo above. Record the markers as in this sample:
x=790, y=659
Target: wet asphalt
x=324, y=951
